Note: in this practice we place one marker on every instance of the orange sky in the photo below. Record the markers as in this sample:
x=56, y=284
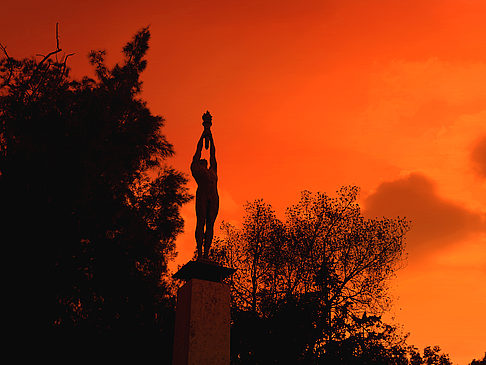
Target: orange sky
x=387, y=95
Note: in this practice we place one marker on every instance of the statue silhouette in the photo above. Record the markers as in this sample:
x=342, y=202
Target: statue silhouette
x=207, y=199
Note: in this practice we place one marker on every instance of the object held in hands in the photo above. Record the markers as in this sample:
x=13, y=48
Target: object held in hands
x=207, y=117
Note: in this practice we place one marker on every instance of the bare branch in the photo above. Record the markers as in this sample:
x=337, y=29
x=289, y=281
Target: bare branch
x=4, y=49
x=10, y=66
x=64, y=63
x=47, y=57
x=57, y=35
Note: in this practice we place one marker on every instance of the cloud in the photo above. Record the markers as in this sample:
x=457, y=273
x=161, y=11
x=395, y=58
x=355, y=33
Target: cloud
x=478, y=157
x=425, y=116
x=436, y=222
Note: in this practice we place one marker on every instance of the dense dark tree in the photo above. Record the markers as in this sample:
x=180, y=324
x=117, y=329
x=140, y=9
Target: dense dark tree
x=88, y=193
x=370, y=341
x=312, y=278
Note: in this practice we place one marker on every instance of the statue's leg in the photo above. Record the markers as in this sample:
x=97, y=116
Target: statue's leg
x=213, y=207
x=201, y=210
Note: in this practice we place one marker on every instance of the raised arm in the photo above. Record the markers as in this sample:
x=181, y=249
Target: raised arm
x=212, y=153
x=197, y=155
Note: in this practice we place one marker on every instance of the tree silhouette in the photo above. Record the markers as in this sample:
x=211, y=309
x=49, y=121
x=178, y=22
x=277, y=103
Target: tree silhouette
x=90, y=198
x=253, y=251
x=370, y=342
x=430, y=356
x=311, y=279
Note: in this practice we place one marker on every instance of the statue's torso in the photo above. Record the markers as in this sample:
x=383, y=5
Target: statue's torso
x=206, y=179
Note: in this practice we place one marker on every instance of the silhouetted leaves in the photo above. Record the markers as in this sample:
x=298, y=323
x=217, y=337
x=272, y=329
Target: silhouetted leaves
x=88, y=193
x=312, y=278
x=311, y=289
x=430, y=356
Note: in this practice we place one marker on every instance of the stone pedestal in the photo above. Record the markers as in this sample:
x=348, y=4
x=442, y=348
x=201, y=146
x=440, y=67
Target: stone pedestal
x=202, y=328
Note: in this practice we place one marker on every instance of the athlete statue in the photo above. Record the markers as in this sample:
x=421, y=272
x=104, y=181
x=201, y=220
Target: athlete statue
x=207, y=199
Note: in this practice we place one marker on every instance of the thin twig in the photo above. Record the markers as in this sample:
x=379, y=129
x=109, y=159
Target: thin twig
x=64, y=65
x=4, y=49
x=9, y=65
x=57, y=38
x=47, y=56
x=57, y=35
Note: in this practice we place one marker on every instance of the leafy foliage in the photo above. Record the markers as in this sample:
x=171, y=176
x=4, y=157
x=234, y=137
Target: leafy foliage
x=312, y=278
x=90, y=197
x=312, y=289
x=430, y=356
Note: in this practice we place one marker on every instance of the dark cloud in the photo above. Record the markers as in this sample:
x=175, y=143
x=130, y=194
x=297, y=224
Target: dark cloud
x=436, y=222
x=478, y=157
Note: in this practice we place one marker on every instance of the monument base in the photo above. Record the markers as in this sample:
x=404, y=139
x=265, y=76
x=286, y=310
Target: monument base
x=203, y=269
x=202, y=327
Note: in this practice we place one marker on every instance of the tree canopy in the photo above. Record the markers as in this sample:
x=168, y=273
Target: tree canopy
x=312, y=288
x=88, y=191
x=316, y=279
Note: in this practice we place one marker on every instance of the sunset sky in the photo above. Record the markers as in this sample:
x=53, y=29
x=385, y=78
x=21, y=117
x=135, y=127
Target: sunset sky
x=386, y=95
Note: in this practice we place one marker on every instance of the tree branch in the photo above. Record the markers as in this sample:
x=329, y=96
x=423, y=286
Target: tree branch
x=4, y=49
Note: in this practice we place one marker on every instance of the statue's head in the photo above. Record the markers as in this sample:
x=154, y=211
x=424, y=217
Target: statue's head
x=203, y=163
